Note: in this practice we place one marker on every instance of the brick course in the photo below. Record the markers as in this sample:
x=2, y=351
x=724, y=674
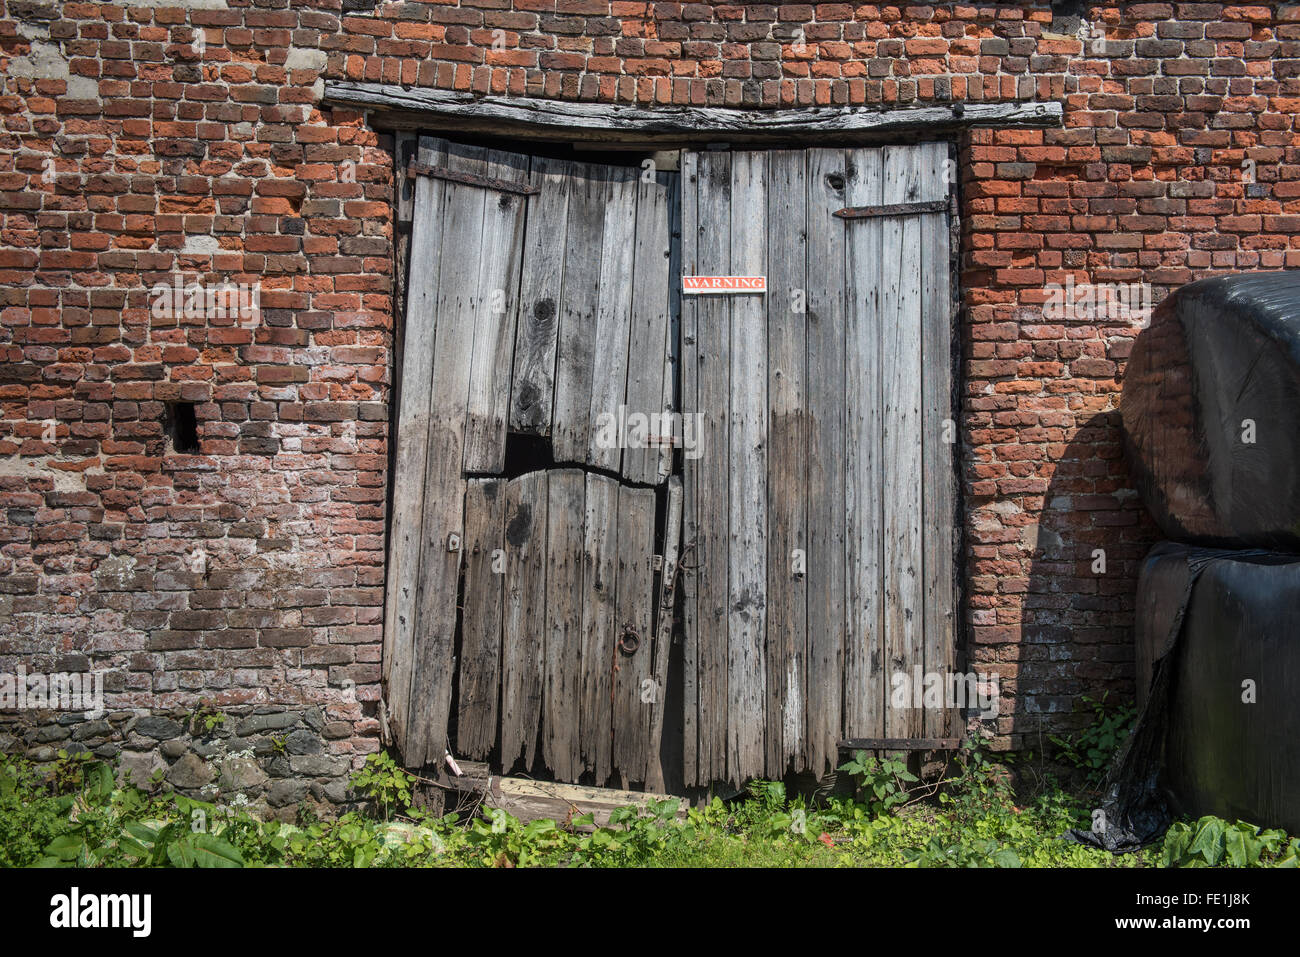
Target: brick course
x=140, y=142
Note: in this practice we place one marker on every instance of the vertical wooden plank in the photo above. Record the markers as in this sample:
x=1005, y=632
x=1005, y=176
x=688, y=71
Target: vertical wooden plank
x=412, y=443
x=826, y=451
x=864, y=664
x=747, y=437
x=649, y=346
x=608, y=390
x=599, y=623
x=541, y=285
x=523, y=641
x=479, y=665
x=900, y=348
x=655, y=771
x=494, y=306
x=713, y=469
x=565, y=590
x=940, y=435
x=787, y=493
x=444, y=485
x=671, y=397
x=689, y=405
x=576, y=352
x=636, y=517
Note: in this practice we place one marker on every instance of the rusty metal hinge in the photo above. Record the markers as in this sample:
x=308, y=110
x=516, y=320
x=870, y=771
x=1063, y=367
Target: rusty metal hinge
x=895, y=209
x=469, y=179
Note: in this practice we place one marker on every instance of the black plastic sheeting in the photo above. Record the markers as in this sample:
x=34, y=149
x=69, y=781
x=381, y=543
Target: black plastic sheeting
x=1211, y=412
x=1218, y=642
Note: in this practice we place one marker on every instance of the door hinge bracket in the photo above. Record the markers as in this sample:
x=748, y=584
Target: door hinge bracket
x=469, y=179
x=893, y=209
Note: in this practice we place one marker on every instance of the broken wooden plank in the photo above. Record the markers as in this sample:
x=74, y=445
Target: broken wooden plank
x=563, y=612
x=529, y=800
x=900, y=349
x=575, y=352
x=540, y=293
x=494, y=308
x=523, y=642
x=599, y=623
x=607, y=385
x=747, y=436
x=444, y=485
x=663, y=633
x=633, y=622
x=412, y=446
x=867, y=311
x=826, y=463
x=479, y=664
x=787, y=492
x=648, y=347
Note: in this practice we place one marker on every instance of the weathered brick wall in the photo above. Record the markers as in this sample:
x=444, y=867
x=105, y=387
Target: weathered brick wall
x=250, y=574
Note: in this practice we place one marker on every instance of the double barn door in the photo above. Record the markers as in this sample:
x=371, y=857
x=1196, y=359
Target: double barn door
x=729, y=590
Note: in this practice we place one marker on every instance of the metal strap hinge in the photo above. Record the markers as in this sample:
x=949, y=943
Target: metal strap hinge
x=895, y=209
x=469, y=179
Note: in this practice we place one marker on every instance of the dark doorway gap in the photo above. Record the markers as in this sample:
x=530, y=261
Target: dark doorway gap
x=534, y=453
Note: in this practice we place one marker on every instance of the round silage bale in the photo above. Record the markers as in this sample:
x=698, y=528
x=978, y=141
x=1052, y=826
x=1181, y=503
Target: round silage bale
x=1211, y=412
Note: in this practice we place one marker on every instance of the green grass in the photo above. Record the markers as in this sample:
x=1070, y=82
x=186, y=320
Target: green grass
x=71, y=814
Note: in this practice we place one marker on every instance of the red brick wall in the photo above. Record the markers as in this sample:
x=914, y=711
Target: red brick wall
x=130, y=154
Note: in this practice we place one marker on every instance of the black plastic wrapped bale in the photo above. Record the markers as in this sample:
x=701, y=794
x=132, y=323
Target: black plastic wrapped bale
x=1232, y=622
x=1211, y=411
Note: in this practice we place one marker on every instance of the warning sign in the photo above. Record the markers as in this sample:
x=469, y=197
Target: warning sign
x=698, y=285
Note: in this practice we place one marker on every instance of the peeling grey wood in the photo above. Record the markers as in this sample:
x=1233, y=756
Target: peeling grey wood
x=901, y=373
x=655, y=770
x=826, y=465
x=635, y=599
x=648, y=347
x=873, y=261
x=541, y=287
x=599, y=623
x=787, y=499
x=712, y=375
x=747, y=435
x=690, y=509
x=565, y=593
x=575, y=354
x=399, y=107
x=412, y=441
x=479, y=664
x=523, y=642
x=494, y=307
x=444, y=484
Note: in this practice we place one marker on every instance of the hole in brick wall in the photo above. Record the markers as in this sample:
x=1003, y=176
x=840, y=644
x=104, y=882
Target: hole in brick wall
x=182, y=427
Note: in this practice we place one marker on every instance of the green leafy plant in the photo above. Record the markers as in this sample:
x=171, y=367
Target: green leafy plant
x=1213, y=842
x=205, y=719
x=1092, y=748
x=384, y=783
x=883, y=782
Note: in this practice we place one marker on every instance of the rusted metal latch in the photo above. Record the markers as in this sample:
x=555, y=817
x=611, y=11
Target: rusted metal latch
x=469, y=179
x=629, y=641
x=895, y=209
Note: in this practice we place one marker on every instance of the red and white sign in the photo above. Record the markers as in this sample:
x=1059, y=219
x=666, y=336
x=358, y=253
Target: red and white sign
x=699, y=285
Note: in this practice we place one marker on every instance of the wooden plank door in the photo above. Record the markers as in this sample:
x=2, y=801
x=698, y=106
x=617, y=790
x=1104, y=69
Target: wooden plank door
x=822, y=512
x=522, y=604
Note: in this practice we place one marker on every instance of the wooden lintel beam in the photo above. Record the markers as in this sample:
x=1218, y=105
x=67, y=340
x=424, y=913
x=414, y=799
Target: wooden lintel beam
x=534, y=117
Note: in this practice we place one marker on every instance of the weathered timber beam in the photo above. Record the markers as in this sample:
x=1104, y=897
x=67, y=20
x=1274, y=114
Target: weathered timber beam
x=447, y=110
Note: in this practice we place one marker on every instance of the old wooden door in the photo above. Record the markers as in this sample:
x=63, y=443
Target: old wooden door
x=822, y=508
x=522, y=602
